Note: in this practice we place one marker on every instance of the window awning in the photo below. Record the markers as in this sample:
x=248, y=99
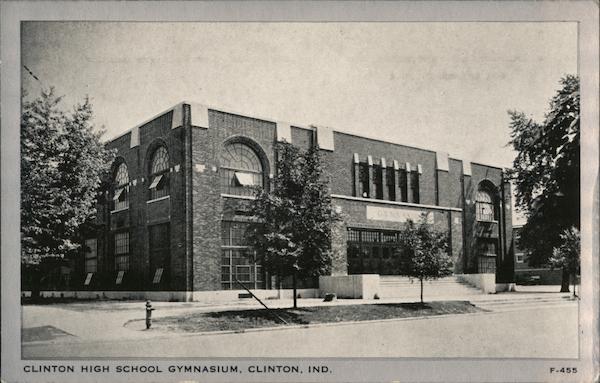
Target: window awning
x=118, y=194
x=155, y=182
x=244, y=179
x=157, y=275
x=119, y=277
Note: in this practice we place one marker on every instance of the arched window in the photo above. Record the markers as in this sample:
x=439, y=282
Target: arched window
x=159, y=173
x=121, y=188
x=241, y=170
x=484, y=205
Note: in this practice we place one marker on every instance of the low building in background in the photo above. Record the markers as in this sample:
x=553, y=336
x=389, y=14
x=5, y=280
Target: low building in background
x=171, y=223
x=527, y=275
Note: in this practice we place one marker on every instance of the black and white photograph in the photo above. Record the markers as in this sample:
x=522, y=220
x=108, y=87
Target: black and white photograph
x=280, y=198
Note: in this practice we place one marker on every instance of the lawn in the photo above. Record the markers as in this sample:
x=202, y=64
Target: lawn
x=238, y=320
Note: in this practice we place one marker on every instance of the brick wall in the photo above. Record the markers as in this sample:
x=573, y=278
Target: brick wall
x=141, y=214
x=339, y=164
x=208, y=207
x=448, y=221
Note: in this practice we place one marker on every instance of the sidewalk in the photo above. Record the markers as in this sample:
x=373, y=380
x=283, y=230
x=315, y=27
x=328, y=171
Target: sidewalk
x=105, y=320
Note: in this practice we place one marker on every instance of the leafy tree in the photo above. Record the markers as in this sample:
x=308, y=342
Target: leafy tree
x=294, y=219
x=546, y=173
x=62, y=162
x=566, y=256
x=423, y=252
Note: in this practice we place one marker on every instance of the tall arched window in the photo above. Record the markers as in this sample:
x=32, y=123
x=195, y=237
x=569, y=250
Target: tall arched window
x=159, y=173
x=484, y=205
x=121, y=188
x=241, y=170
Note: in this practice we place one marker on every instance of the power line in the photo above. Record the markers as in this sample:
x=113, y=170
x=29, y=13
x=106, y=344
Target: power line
x=31, y=73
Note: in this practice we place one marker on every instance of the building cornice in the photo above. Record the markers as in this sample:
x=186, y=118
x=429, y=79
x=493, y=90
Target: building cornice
x=394, y=203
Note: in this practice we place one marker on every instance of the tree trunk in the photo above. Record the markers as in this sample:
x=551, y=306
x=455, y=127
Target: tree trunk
x=36, y=281
x=421, y=279
x=279, y=287
x=564, y=286
x=294, y=287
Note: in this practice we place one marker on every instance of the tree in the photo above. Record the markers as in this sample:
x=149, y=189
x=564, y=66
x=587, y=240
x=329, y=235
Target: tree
x=292, y=235
x=62, y=163
x=566, y=256
x=546, y=173
x=423, y=252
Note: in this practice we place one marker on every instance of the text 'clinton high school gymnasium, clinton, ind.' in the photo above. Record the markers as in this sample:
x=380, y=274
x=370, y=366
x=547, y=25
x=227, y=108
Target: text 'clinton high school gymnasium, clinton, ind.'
x=171, y=225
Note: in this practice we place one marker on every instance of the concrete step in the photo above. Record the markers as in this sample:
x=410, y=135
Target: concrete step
x=524, y=301
x=521, y=304
x=401, y=287
x=395, y=280
x=404, y=292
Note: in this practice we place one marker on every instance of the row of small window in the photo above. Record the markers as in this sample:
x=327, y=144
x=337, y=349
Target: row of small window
x=373, y=236
x=159, y=174
x=406, y=183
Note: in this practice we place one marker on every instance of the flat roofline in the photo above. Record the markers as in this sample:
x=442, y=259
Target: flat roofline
x=487, y=166
x=301, y=126
x=384, y=141
x=147, y=121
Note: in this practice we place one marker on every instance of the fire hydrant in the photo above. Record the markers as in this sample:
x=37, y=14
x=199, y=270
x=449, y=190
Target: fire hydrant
x=149, y=310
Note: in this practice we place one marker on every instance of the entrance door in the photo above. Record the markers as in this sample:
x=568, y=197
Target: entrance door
x=160, y=255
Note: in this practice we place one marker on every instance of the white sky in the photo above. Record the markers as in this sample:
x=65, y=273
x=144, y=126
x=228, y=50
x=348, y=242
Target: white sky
x=440, y=86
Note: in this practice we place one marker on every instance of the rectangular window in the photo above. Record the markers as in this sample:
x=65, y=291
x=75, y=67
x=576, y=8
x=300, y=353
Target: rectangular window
x=390, y=183
x=122, y=251
x=402, y=182
x=485, y=212
x=414, y=186
x=377, y=182
x=520, y=257
x=364, y=180
x=91, y=255
x=237, y=259
x=373, y=251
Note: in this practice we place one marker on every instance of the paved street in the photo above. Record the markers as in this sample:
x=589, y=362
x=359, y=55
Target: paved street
x=534, y=328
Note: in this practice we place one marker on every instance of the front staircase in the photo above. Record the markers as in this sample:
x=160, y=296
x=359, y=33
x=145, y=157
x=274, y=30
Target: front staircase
x=401, y=287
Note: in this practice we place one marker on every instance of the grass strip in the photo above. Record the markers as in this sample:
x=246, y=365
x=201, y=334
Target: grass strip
x=237, y=320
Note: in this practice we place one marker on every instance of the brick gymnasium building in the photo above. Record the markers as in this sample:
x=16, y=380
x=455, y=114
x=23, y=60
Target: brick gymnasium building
x=173, y=218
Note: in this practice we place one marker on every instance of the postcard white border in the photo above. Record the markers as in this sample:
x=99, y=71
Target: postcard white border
x=583, y=12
